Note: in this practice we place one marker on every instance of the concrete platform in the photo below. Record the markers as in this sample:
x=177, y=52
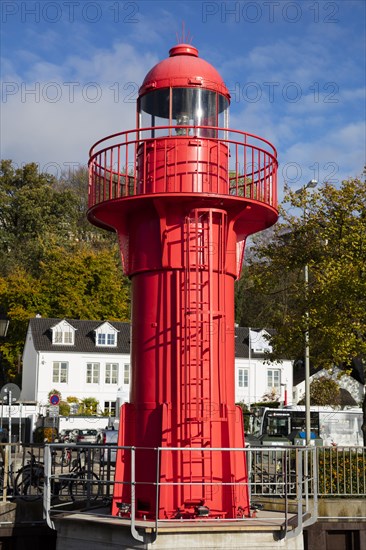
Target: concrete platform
x=90, y=531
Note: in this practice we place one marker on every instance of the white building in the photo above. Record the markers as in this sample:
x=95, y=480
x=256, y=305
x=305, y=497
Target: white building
x=92, y=359
x=78, y=358
x=256, y=377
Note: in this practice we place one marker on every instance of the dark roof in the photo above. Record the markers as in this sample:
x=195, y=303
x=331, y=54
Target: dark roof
x=358, y=366
x=84, y=336
x=346, y=399
x=241, y=342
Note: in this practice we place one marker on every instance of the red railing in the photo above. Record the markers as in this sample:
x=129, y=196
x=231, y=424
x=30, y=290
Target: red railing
x=147, y=161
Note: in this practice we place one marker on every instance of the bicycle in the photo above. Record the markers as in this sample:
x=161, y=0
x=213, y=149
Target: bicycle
x=6, y=481
x=81, y=482
x=282, y=482
x=65, y=458
x=29, y=482
x=274, y=480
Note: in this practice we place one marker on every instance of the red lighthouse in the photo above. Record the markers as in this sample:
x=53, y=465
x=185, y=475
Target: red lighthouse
x=183, y=192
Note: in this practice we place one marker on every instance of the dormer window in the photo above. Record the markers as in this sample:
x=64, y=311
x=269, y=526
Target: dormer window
x=101, y=339
x=259, y=341
x=63, y=334
x=106, y=336
x=106, y=339
x=64, y=337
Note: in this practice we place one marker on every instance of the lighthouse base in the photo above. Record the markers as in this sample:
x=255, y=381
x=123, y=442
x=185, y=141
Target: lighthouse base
x=175, y=481
x=82, y=532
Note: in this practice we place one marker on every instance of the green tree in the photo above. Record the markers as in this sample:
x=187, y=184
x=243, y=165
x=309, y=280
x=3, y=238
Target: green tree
x=255, y=306
x=78, y=284
x=324, y=392
x=33, y=213
x=84, y=284
x=76, y=182
x=89, y=406
x=72, y=399
x=64, y=408
x=326, y=231
x=52, y=260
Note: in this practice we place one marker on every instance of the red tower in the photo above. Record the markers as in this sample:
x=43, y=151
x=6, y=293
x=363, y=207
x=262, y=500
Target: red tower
x=183, y=192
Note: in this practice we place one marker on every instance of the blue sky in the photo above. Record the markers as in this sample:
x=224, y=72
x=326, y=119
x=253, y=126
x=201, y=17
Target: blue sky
x=295, y=69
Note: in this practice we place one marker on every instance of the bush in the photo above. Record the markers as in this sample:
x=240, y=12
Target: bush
x=341, y=472
x=64, y=408
x=45, y=434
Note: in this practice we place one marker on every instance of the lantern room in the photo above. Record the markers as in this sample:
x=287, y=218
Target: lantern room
x=180, y=94
x=183, y=97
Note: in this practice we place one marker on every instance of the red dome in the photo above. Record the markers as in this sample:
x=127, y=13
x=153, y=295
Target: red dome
x=183, y=69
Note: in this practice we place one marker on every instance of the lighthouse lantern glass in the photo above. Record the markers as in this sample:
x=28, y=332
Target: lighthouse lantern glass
x=181, y=107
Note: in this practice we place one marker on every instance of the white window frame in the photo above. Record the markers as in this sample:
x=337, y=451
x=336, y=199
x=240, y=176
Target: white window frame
x=60, y=372
x=111, y=373
x=101, y=339
x=126, y=374
x=274, y=378
x=106, y=335
x=106, y=339
x=92, y=373
x=63, y=336
x=57, y=337
x=111, y=339
x=243, y=377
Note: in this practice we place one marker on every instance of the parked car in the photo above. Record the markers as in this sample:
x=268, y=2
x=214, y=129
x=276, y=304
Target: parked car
x=108, y=438
x=68, y=436
x=87, y=436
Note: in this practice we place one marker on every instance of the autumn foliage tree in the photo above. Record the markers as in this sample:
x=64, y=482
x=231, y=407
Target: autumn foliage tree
x=52, y=261
x=325, y=392
x=33, y=214
x=325, y=230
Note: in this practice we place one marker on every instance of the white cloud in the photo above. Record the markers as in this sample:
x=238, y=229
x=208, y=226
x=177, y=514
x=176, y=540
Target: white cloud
x=335, y=156
x=58, y=115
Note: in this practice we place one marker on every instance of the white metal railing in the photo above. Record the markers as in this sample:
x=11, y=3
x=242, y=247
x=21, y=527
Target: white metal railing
x=286, y=475
x=289, y=478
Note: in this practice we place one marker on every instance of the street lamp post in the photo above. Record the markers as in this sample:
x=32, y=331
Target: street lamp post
x=309, y=185
x=4, y=325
